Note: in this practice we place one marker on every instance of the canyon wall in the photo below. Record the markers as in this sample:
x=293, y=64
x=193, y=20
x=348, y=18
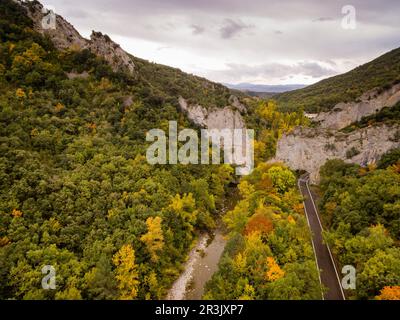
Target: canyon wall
x=309, y=148
x=228, y=117
x=344, y=114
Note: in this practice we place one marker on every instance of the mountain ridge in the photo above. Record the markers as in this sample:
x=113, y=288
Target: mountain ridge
x=380, y=74
x=264, y=88
x=166, y=82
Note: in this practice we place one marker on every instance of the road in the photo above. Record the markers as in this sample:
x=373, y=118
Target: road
x=328, y=273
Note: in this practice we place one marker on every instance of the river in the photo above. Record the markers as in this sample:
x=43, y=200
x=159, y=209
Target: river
x=199, y=268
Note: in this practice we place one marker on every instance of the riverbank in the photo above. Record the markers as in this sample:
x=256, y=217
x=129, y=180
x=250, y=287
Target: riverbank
x=201, y=264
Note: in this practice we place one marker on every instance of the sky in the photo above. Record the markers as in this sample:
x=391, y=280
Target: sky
x=233, y=41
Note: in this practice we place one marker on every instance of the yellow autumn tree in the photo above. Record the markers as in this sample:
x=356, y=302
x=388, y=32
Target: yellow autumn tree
x=153, y=239
x=389, y=293
x=16, y=213
x=126, y=272
x=20, y=93
x=184, y=207
x=239, y=263
x=245, y=188
x=274, y=272
x=248, y=293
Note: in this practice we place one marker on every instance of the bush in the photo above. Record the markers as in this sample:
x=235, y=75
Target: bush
x=352, y=152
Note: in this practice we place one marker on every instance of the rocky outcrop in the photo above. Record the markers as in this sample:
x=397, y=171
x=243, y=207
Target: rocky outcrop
x=309, y=148
x=65, y=36
x=234, y=102
x=103, y=46
x=344, y=114
x=214, y=118
x=60, y=31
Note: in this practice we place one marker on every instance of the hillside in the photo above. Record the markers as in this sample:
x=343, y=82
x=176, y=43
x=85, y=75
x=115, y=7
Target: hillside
x=76, y=191
x=164, y=83
x=170, y=82
x=380, y=73
x=386, y=115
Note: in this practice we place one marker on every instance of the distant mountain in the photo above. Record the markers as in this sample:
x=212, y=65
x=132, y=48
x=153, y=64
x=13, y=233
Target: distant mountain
x=264, y=87
x=381, y=74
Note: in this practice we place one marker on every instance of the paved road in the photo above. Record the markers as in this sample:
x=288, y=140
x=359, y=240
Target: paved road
x=328, y=272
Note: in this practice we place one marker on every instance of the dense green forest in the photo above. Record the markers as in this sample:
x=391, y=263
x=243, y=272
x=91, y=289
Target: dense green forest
x=269, y=253
x=76, y=191
x=380, y=73
x=361, y=207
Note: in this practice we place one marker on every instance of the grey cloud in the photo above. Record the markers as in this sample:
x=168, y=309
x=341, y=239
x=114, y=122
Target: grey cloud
x=232, y=28
x=76, y=13
x=266, y=24
x=323, y=19
x=196, y=29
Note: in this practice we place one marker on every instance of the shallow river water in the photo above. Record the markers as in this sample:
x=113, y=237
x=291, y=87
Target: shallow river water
x=201, y=265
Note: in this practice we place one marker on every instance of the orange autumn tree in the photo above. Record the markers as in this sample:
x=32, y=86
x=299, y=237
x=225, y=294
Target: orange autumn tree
x=258, y=223
x=274, y=272
x=126, y=272
x=389, y=293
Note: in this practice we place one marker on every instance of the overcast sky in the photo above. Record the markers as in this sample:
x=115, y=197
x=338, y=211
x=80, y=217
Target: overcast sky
x=257, y=41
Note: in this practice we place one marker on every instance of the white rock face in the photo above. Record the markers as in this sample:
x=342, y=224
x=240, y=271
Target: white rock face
x=103, y=46
x=217, y=118
x=309, y=148
x=65, y=36
x=344, y=114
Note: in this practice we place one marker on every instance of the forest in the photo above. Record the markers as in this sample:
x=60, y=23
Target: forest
x=76, y=191
x=361, y=208
x=269, y=253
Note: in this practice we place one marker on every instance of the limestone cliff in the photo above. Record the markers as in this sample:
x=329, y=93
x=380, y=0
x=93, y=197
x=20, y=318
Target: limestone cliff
x=215, y=118
x=344, y=114
x=65, y=36
x=309, y=148
x=103, y=46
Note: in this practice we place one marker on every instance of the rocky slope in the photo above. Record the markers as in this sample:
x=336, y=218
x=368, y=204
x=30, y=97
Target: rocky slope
x=162, y=80
x=309, y=148
x=65, y=36
x=382, y=73
x=214, y=118
x=344, y=114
